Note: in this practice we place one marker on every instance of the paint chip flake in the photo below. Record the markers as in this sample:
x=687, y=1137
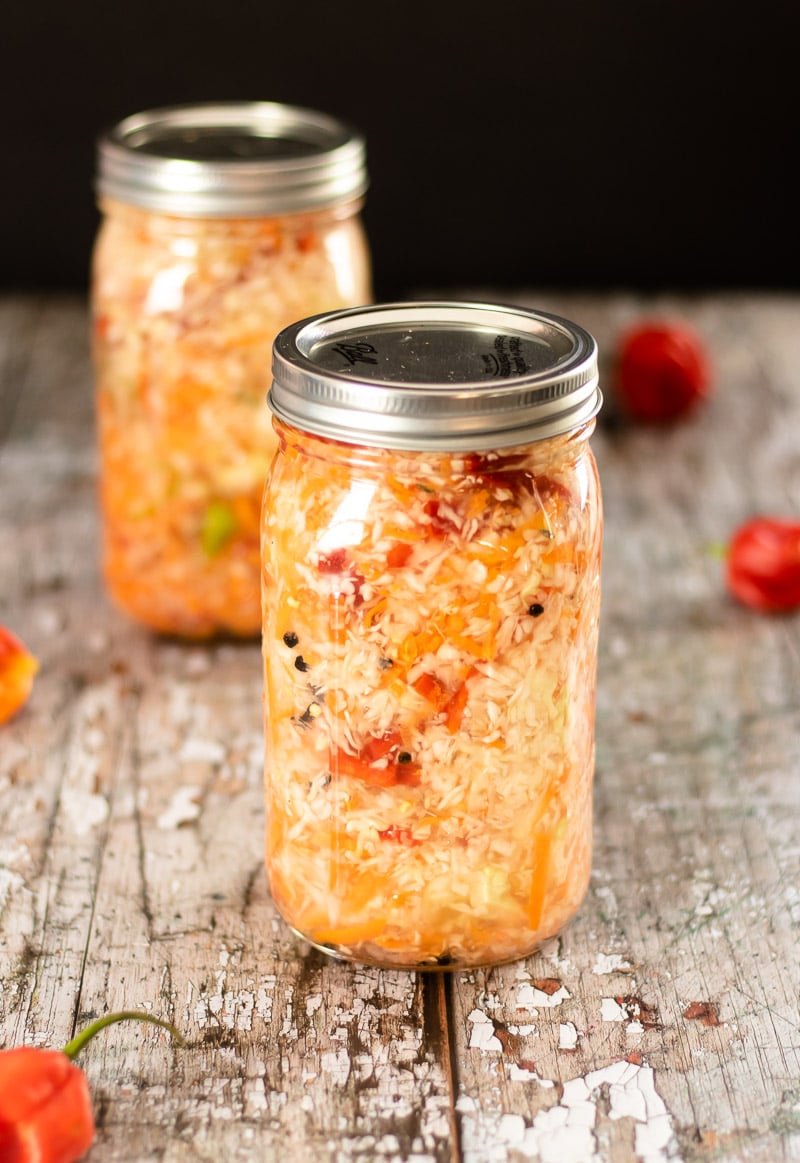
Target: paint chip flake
x=184, y=807
x=611, y=1010
x=567, y=1036
x=610, y=963
x=565, y=1133
x=482, y=1035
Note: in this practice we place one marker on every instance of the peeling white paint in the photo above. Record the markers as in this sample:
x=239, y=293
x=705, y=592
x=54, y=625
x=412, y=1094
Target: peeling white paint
x=83, y=810
x=618, y=646
x=9, y=881
x=94, y=738
x=609, y=963
x=336, y=1064
x=255, y=1098
x=49, y=621
x=608, y=898
x=566, y=1132
x=97, y=641
x=201, y=751
x=611, y=1010
x=521, y=1074
x=180, y=705
x=233, y=1009
x=184, y=807
x=388, y=1145
x=567, y=1036
x=482, y=1035
x=13, y=854
x=511, y=1129
x=532, y=999
x=197, y=663
x=288, y=1028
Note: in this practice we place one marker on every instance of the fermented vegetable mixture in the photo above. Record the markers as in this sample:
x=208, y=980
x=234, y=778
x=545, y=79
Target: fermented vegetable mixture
x=185, y=312
x=430, y=626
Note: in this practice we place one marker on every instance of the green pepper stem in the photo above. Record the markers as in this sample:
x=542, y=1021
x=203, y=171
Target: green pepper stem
x=73, y=1048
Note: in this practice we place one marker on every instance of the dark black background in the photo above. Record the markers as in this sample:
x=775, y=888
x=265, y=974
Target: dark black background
x=646, y=143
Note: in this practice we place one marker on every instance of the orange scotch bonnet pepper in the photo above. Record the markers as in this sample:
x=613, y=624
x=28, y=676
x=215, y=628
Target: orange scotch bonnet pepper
x=45, y=1109
x=18, y=669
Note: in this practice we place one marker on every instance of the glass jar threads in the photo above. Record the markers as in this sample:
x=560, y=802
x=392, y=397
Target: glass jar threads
x=221, y=224
x=431, y=538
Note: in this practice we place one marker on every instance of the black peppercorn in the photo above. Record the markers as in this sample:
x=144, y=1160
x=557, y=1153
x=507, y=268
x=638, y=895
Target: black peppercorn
x=290, y=639
x=536, y=609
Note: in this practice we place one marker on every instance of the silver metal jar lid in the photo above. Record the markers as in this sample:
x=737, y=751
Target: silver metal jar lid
x=243, y=159
x=435, y=375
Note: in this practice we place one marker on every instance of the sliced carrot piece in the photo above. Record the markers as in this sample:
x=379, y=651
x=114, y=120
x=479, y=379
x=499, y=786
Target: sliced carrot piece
x=541, y=868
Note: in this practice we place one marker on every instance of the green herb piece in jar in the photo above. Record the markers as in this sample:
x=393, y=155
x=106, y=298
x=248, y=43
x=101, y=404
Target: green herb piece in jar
x=219, y=525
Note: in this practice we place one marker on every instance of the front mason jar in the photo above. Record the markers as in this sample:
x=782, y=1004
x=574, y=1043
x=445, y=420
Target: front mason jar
x=430, y=622
x=220, y=226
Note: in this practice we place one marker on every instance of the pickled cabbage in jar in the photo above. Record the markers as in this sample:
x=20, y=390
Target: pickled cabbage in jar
x=185, y=313
x=430, y=636
x=221, y=223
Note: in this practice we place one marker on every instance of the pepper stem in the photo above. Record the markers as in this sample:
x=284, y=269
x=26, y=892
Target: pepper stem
x=73, y=1048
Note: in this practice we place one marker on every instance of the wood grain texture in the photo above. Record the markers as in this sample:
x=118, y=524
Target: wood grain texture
x=663, y=1024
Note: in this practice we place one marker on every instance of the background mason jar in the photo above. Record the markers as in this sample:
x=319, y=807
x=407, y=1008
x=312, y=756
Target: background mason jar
x=221, y=224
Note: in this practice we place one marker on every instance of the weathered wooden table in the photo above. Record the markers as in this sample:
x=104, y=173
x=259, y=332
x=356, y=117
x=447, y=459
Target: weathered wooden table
x=662, y=1025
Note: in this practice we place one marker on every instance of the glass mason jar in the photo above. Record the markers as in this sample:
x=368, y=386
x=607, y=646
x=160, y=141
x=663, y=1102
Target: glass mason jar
x=431, y=538
x=221, y=224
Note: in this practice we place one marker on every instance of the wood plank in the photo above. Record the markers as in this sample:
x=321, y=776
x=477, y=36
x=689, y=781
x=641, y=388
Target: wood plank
x=131, y=863
x=663, y=1023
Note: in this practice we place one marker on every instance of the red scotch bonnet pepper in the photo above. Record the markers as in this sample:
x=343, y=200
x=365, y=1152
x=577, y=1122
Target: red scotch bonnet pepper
x=763, y=564
x=662, y=371
x=45, y=1109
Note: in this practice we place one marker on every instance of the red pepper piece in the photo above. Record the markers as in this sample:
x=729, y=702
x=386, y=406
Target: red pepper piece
x=379, y=746
x=366, y=764
x=399, y=835
x=337, y=564
x=441, y=523
x=763, y=564
x=432, y=690
x=399, y=554
x=451, y=702
x=333, y=562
